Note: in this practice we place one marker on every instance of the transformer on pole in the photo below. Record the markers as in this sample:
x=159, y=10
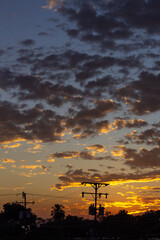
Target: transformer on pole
x=96, y=186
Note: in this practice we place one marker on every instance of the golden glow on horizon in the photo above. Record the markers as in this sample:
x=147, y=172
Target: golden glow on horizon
x=136, y=203
x=136, y=212
x=113, y=183
x=144, y=180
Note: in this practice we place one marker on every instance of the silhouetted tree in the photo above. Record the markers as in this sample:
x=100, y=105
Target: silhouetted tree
x=73, y=219
x=122, y=212
x=12, y=211
x=57, y=213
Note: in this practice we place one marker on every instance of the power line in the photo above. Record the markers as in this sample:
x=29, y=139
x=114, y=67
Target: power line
x=45, y=195
x=9, y=194
x=37, y=194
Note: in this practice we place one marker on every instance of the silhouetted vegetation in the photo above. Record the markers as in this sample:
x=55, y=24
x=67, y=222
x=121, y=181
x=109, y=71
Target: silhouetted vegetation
x=16, y=221
x=57, y=213
x=61, y=227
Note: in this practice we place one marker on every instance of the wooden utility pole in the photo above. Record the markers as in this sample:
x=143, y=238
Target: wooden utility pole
x=24, y=202
x=96, y=186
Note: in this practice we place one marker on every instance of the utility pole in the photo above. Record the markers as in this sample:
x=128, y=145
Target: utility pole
x=96, y=186
x=24, y=202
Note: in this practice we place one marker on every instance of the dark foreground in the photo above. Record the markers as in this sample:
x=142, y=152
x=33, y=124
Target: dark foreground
x=121, y=226
x=83, y=231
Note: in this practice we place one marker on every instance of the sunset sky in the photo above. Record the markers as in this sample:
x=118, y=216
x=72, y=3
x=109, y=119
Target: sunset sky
x=80, y=101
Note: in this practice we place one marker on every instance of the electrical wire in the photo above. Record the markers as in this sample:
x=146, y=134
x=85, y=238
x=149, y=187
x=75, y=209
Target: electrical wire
x=12, y=194
x=44, y=195
x=36, y=194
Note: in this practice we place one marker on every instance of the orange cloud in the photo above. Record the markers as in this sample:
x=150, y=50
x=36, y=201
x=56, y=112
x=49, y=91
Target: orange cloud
x=105, y=129
x=69, y=185
x=134, y=212
x=117, y=153
x=60, y=141
x=31, y=174
x=1, y=167
x=52, y=3
x=80, y=135
x=30, y=166
x=134, y=204
x=124, y=181
x=14, y=140
x=16, y=145
x=51, y=160
x=8, y=160
x=121, y=194
x=14, y=166
x=96, y=148
x=121, y=123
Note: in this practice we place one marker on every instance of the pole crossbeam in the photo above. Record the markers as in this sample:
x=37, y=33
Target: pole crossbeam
x=26, y=202
x=24, y=196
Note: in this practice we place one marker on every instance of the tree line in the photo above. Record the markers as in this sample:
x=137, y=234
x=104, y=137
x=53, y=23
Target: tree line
x=16, y=222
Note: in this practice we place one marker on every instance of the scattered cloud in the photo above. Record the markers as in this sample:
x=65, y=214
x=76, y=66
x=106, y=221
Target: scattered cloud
x=12, y=188
x=74, y=178
x=136, y=94
x=52, y=3
x=1, y=167
x=28, y=42
x=30, y=166
x=51, y=160
x=84, y=87
x=142, y=158
x=8, y=160
x=85, y=155
x=150, y=137
x=16, y=145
